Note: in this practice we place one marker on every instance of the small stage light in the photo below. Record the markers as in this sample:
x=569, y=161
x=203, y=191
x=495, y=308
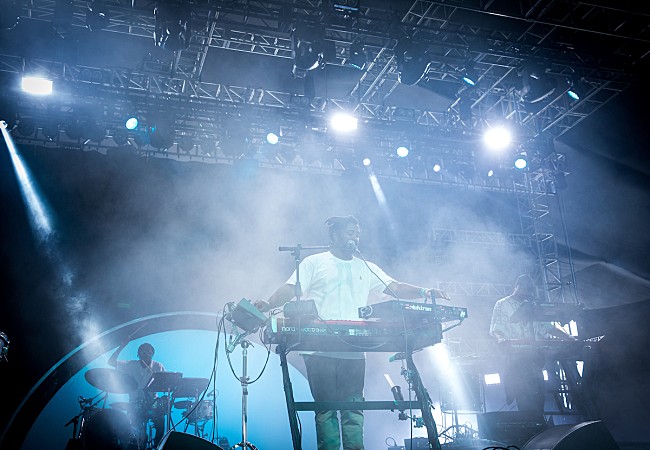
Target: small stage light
x=366, y=162
x=51, y=131
x=490, y=173
x=272, y=138
x=120, y=137
x=491, y=378
x=358, y=57
x=521, y=160
x=402, y=151
x=469, y=76
x=573, y=94
x=437, y=167
x=36, y=85
x=131, y=123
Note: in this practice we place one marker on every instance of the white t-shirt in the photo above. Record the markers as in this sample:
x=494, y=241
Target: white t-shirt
x=339, y=287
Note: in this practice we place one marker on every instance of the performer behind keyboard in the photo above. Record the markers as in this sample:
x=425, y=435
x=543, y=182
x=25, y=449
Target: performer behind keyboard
x=522, y=377
x=340, y=283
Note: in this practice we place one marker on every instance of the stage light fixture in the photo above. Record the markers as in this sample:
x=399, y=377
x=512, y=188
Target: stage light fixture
x=437, y=167
x=366, y=161
x=344, y=122
x=97, y=15
x=26, y=127
x=173, y=28
x=497, y=138
x=121, y=137
x=412, y=61
x=358, y=57
x=93, y=131
x=470, y=75
x=521, y=160
x=186, y=143
x=73, y=130
x=402, y=151
x=141, y=139
x=131, y=123
x=161, y=134
x=491, y=378
x=10, y=13
x=535, y=85
x=272, y=138
x=307, y=49
x=36, y=85
x=346, y=6
x=51, y=131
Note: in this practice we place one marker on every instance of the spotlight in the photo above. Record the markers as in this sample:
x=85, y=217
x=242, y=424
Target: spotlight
x=161, y=134
x=521, y=160
x=141, y=139
x=131, y=123
x=272, y=138
x=469, y=75
x=308, y=50
x=51, y=131
x=26, y=127
x=535, y=85
x=497, y=138
x=491, y=378
x=437, y=167
x=402, y=151
x=186, y=143
x=173, y=28
x=358, y=57
x=366, y=162
x=412, y=62
x=36, y=85
x=344, y=122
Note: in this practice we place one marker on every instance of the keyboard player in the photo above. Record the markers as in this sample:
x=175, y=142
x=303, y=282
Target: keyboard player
x=521, y=375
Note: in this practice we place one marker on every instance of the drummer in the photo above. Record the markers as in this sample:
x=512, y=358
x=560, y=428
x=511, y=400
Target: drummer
x=141, y=401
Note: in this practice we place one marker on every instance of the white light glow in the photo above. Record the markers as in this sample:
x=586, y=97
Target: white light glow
x=521, y=163
x=545, y=373
x=272, y=138
x=497, y=138
x=366, y=162
x=492, y=378
x=344, y=122
x=131, y=123
x=402, y=152
x=36, y=85
x=437, y=168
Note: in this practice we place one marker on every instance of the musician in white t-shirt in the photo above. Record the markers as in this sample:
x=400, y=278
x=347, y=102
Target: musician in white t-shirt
x=340, y=283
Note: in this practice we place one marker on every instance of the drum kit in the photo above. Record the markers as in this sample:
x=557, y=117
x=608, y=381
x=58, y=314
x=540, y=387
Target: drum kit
x=128, y=426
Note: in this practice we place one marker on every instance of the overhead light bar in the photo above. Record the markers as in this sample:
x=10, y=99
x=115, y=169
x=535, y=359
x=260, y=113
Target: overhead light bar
x=344, y=122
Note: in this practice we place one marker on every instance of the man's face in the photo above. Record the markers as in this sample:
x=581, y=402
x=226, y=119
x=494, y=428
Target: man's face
x=145, y=353
x=526, y=289
x=345, y=234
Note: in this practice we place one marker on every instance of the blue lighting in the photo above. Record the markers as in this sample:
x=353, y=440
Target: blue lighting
x=573, y=94
x=131, y=123
x=469, y=81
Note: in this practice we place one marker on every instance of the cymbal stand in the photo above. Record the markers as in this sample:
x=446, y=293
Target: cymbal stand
x=87, y=405
x=244, y=444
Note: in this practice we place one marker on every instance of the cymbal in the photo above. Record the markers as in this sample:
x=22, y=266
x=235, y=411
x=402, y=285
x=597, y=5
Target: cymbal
x=183, y=404
x=111, y=380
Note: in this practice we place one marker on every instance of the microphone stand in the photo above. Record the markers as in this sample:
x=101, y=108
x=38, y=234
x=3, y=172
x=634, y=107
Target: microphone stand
x=244, y=444
x=295, y=251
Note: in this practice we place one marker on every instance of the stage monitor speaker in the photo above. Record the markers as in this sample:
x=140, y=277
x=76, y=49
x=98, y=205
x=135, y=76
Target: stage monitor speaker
x=582, y=436
x=510, y=427
x=176, y=440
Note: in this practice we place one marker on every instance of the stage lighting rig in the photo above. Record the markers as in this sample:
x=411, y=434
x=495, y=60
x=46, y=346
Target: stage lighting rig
x=308, y=48
x=173, y=28
x=412, y=61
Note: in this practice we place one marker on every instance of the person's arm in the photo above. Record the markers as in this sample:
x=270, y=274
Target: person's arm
x=405, y=290
x=280, y=297
x=112, y=361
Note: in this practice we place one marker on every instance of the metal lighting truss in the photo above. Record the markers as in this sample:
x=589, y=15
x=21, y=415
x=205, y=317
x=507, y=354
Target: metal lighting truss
x=597, y=46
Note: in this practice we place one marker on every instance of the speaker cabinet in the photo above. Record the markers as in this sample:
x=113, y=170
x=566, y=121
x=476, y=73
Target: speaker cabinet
x=176, y=440
x=582, y=436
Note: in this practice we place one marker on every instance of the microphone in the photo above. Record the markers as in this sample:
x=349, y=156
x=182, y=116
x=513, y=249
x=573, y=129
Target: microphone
x=351, y=245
